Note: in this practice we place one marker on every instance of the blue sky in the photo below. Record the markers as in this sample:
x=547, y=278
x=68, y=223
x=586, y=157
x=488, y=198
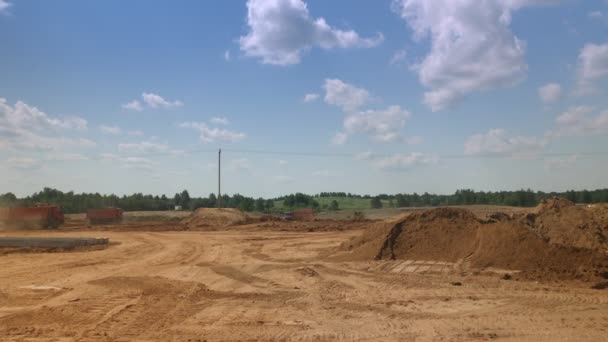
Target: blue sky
x=382, y=96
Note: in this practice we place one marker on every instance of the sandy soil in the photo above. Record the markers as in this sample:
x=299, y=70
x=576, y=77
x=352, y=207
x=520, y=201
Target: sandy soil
x=273, y=286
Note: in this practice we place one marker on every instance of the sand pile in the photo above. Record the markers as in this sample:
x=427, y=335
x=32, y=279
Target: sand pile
x=213, y=217
x=456, y=235
x=561, y=222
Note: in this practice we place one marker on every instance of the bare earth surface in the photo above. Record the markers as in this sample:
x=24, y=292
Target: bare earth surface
x=270, y=286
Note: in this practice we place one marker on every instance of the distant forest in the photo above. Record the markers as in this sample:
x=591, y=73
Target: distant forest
x=76, y=203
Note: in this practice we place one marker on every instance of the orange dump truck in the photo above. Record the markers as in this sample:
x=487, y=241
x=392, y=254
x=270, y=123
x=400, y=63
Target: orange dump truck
x=104, y=215
x=39, y=216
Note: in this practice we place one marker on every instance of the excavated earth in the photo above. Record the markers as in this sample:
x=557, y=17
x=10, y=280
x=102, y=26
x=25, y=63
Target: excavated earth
x=438, y=275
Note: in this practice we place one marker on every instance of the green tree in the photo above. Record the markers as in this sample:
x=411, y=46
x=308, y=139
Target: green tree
x=260, y=205
x=376, y=203
x=185, y=199
x=334, y=206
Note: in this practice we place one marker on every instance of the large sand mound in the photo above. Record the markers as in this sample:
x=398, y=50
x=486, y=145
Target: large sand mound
x=213, y=217
x=561, y=222
x=456, y=235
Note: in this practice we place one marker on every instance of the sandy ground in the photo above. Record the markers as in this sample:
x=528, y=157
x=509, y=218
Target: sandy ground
x=274, y=286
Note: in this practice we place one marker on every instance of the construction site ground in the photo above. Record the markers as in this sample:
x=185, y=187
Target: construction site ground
x=273, y=281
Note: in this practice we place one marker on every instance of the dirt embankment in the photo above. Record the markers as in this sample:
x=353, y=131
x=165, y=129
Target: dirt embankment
x=214, y=217
x=556, y=241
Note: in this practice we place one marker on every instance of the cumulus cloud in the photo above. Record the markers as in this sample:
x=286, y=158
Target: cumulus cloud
x=114, y=130
x=22, y=164
x=345, y=95
x=26, y=127
x=398, y=57
x=550, y=93
x=145, y=147
x=281, y=31
x=339, y=138
x=133, y=105
x=153, y=101
x=592, y=67
x=498, y=142
x=134, y=163
x=406, y=161
x=213, y=134
x=220, y=120
x=556, y=163
x=310, y=98
x=472, y=46
x=157, y=101
x=576, y=122
x=381, y=125
x=415, y=140
x=4, y=5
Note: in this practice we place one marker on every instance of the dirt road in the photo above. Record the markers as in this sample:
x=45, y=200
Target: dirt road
x=273, y=286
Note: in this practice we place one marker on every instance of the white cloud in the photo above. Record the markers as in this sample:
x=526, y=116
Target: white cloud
x=339, y=138
x=208, y=134
x=406, y=161
x=65, y=157
x=114, y=130
x=576, y=122
x=145, y=147
x=380, y=125
x=157, y=101
x=595, y=14
x=283, y=162
x=344, y=95
x=415, y=140
x=281, y=31
x=364, y=156
x=398, y=57
x=497, y=142
x=133, y=105
x=550, y=93
x=592, y=67
x=136, y=133
x=4, y=5
x=310, y=98
x=21, y=163
x=472, y=46
x=556, y=163
x=134, y=163
x=26, y=127
x=227, y=56
x=220, y=121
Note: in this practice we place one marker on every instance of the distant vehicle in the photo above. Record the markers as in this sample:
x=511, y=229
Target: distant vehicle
x=104, y=215
x=39, y=216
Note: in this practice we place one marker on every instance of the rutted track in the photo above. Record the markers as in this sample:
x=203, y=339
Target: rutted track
x=274, y=286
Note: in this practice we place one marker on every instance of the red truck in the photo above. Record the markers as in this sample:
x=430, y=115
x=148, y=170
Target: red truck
x=104, y=215
x=38, y=216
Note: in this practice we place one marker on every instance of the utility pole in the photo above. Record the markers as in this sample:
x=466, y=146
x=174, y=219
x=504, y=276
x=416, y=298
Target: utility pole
x=219, y=178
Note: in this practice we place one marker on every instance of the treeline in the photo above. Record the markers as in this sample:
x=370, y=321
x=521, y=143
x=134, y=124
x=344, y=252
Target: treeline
x=520, y=198
x=77, y=203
